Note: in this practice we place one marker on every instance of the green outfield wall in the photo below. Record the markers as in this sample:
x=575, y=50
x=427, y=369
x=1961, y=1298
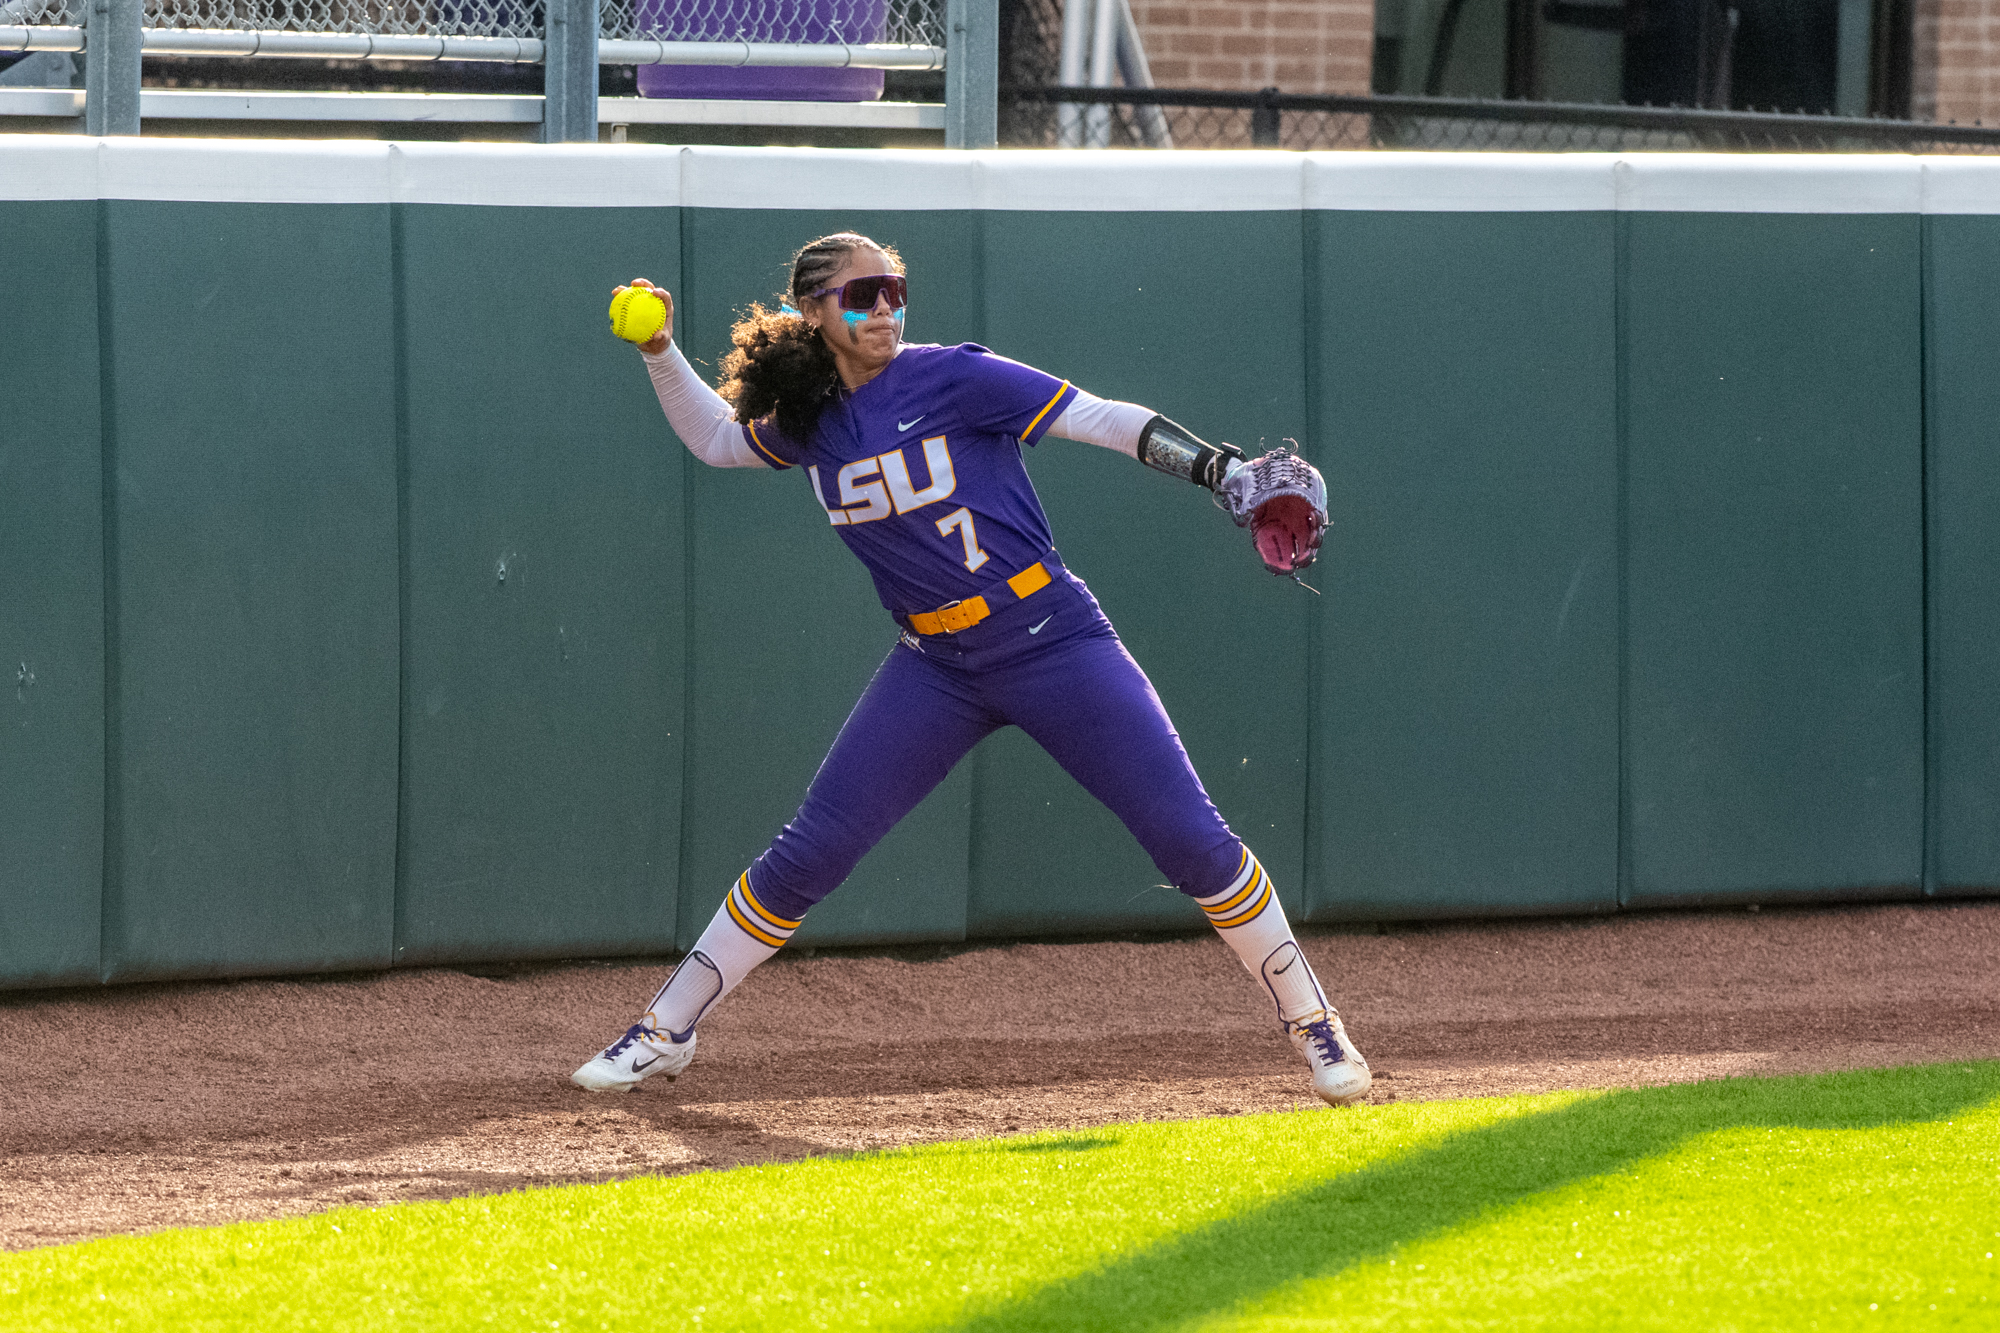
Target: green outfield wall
x=358, y=608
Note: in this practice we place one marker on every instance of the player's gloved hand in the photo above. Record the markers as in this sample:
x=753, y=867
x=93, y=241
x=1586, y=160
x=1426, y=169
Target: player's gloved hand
x=658, y=342
x=1281, y=498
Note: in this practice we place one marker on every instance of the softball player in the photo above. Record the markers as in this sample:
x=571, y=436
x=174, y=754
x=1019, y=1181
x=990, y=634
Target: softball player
x=914, y=453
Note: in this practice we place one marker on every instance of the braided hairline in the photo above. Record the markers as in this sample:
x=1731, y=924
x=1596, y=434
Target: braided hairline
x=821, y=259
x=778, y=363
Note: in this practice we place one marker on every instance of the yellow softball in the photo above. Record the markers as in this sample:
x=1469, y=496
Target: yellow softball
x=637, y=315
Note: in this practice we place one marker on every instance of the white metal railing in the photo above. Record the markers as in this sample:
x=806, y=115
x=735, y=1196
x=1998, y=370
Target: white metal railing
x=869, y=55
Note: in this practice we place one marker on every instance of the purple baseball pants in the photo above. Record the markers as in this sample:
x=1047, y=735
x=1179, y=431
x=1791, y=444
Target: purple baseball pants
x=1051, y=665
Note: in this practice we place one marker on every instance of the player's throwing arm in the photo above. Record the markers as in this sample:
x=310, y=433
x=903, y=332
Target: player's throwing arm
x=913, y=452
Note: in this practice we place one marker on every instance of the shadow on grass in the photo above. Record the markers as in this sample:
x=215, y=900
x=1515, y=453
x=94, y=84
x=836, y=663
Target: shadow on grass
x=1368, y=1213
x=1061, y=1145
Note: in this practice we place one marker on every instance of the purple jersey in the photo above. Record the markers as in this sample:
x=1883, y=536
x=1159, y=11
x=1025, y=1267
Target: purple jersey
x=920, y=470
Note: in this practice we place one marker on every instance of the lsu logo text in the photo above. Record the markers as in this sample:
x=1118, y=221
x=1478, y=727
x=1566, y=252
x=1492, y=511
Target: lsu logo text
x=874, y=488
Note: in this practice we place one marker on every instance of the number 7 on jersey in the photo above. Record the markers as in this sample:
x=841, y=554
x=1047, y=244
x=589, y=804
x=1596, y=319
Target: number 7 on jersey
x=961, y=518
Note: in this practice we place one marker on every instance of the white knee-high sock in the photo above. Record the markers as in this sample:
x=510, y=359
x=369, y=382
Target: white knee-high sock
x=1252, y=922
x=742, y=934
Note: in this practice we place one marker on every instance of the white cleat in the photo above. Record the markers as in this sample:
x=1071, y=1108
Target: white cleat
x=632, y=1059
x=1339, y=1072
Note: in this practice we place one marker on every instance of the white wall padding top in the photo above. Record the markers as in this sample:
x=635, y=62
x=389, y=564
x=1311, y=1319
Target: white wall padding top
x=635, y=175
x=1461, y=182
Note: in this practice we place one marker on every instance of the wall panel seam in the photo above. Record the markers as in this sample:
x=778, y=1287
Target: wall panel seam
x=683, y=929
x=113, y=863
x=1621, y=543
x=1311, y=302
x=1927, y=751
x=400, y=391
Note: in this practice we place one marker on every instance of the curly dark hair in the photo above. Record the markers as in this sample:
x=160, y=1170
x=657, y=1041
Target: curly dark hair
x=780, y=363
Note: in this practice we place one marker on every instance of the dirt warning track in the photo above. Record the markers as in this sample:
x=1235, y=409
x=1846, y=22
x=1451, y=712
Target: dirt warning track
x=133, y=1108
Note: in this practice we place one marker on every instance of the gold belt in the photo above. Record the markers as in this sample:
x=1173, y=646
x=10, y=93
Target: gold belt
x=964, y=615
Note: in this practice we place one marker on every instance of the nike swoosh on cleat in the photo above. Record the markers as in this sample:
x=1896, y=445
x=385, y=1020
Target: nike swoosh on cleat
x=905, y=425
x=636, y=1066
x=1037, y=629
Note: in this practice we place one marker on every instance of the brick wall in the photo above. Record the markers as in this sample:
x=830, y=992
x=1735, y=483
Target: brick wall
x=1300, y=46
x=1957, y=61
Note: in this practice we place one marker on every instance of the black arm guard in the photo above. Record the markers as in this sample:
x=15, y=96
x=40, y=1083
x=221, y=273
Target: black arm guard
x=1177, y=451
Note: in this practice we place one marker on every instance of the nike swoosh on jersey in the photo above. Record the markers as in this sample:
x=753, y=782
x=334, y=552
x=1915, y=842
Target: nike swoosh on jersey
x=905, y=425
x=1037, y=629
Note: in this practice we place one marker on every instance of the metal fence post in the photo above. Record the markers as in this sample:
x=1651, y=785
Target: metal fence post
x=111, y=66
x=1264, y=125
x=972, y=73
x=569, y=72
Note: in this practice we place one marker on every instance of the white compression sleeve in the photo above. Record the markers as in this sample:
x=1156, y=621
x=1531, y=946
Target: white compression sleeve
x=1092, y=420
x=698, y=413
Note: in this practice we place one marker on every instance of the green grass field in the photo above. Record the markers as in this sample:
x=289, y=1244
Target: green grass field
x=1861, y=1200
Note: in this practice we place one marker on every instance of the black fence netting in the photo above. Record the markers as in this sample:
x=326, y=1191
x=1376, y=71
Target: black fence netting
x=1051, y=117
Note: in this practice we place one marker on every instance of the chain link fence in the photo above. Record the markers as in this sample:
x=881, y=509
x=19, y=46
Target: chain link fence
x=432, y=18
x=43, y=13
x=815, y=22
x=902, y=22
x=1119, y=118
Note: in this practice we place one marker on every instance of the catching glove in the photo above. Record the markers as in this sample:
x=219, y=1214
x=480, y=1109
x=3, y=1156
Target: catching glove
x=1281, y=498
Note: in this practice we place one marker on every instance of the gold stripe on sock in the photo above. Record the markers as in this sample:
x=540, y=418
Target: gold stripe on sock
x=1249, y=913
x=750, y=900
x=755, y=932
x=1229, y=904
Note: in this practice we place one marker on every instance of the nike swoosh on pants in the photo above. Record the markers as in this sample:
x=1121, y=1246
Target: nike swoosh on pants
x=1037, y=629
